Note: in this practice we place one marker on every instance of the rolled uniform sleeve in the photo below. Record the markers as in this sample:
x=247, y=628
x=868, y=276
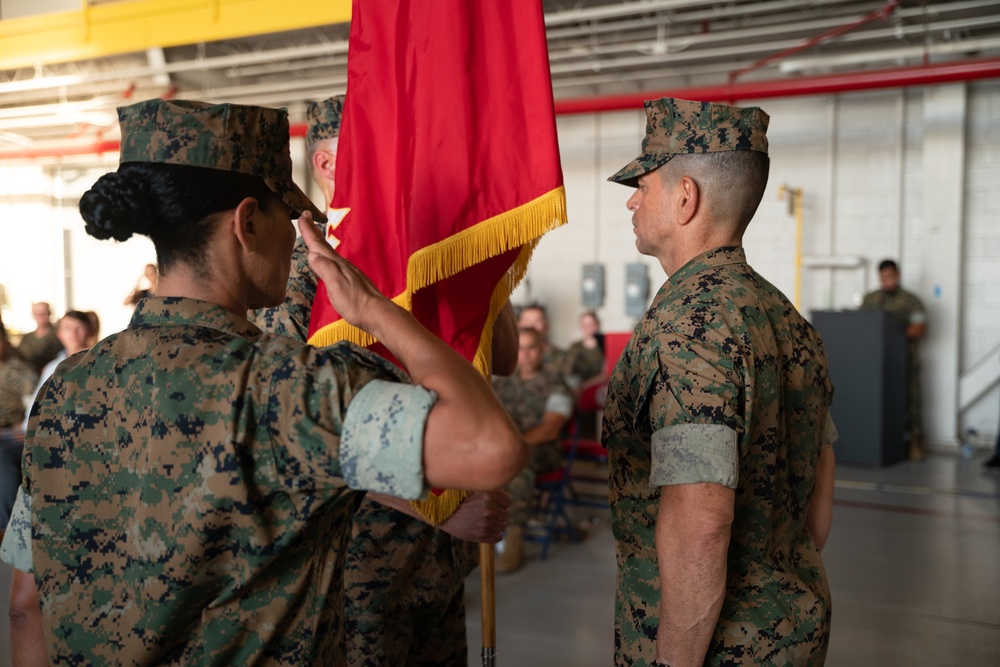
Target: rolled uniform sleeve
x=694, y=453
x=560, y=403
x=382, y=444
x=16, y=547
x=694, y=413
x=343, y=417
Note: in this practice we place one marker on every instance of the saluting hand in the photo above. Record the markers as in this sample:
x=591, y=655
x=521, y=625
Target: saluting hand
x=351, y=292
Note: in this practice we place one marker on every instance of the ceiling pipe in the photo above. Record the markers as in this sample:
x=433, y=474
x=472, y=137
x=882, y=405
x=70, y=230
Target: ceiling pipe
x=967, y=70
x=877, y=15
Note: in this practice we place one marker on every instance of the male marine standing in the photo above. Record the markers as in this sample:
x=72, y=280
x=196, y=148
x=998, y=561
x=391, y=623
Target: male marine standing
x=717, y=419
x=906, y=307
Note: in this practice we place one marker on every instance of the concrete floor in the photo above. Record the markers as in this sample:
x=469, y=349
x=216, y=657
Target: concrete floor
x=913, y=561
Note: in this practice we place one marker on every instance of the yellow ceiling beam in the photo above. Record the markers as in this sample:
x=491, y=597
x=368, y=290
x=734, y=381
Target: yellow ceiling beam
x=136, y=25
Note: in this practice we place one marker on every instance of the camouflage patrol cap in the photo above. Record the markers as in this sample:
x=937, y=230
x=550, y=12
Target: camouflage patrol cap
x=229, y=137
x=675, y=127
x=324, y=119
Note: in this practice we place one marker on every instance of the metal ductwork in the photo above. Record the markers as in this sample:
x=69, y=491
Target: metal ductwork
x=968, y=70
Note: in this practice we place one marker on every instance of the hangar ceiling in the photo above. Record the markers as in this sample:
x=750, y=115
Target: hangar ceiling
x=596, y=48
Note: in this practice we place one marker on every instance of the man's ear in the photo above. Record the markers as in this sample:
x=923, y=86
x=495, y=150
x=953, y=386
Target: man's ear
x=245, y=224
x=687, y=198
x=325, y=163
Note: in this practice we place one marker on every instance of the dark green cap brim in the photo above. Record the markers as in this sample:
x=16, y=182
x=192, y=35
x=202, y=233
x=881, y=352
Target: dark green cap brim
x=645, y=163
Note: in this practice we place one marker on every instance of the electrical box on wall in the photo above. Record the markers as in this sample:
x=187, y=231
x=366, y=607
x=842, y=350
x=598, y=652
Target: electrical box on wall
x=592, y=286
x=636, y=289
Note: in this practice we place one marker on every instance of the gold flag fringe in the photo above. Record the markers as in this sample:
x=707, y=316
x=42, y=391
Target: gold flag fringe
x=438, y=508
x=489, y=238
x=520, y=227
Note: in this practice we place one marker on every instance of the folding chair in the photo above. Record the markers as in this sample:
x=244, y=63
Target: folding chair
x=551, y=498
x=590, y=450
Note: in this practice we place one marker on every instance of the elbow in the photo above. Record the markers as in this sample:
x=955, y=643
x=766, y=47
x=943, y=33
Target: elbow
x=508, y=456
x=515, y=457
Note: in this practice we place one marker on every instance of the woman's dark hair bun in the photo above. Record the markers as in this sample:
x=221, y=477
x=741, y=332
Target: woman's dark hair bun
x=116, y=207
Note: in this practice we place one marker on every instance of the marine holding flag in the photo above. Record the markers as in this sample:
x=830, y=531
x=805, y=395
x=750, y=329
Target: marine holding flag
x=404, y=579
x=448, y=161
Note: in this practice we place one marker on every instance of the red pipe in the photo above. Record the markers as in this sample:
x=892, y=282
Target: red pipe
x=966, y=70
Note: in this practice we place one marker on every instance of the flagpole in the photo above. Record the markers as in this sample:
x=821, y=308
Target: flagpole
x=488, y=601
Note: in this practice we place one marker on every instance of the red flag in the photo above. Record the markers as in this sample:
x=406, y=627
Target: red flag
x=448, y=160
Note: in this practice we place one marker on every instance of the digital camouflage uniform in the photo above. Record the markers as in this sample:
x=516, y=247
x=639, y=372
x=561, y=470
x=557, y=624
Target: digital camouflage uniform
x=17, y=380
x=186, y=495
x=187, y=482
x=907, y=308
x=583, y=362
x=526, y=401
x=405, y=580
x=555, y=360
x=723, y=382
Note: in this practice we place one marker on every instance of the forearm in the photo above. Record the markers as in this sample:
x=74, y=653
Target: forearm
x=398, y=504
x=539, y=435
x=692, y=564
x=916, y=330
x=27, y=641
x=819, y=517
x=469, y=441
x=481, y=517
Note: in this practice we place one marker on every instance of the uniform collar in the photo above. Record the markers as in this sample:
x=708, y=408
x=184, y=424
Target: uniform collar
x=707, y=260
x=181, y=311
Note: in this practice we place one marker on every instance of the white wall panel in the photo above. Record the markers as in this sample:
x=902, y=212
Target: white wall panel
x=981, y=254
x=861, y=160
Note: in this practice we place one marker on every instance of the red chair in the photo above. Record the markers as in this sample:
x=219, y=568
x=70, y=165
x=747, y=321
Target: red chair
x=588, y=450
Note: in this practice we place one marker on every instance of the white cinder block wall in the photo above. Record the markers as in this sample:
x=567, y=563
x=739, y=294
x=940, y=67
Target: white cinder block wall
x=859, y=161
x=857, y=157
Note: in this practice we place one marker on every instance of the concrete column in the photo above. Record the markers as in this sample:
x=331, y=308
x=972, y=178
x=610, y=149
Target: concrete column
x=940, y=285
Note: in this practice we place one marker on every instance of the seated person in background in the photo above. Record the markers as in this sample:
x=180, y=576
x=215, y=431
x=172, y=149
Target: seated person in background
x=73, y=331
x=95, y=328
x=554, y=359
x=540, y=404
x=41, y=345
x=17, y=379
x=586, y=356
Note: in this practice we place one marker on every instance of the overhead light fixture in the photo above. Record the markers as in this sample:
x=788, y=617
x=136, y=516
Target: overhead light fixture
x=95, y=118
x=41, y=83
x=15, y=139
x=796, y=65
